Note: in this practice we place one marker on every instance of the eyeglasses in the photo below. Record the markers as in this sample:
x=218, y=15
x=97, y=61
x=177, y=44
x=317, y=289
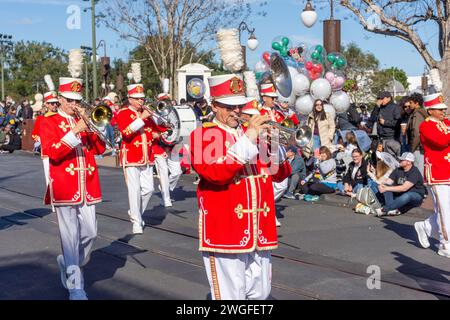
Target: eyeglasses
x=71, y=100
x=318, y=104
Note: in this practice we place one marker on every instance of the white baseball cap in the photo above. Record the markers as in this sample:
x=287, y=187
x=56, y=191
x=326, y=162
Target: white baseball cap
x=408, y=156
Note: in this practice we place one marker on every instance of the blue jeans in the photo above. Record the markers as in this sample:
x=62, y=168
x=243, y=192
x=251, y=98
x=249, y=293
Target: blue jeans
x=340, y=187
x=316, y=143
x=403, y=202
x=110, y=133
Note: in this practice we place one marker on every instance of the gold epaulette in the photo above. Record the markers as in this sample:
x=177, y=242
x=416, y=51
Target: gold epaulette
x=427, y=119
x=49, y=114
x=209, y=124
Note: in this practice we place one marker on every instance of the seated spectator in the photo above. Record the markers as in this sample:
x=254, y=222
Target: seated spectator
x=356, y=176
x=14, y=142
x=404, y=189
x=298, y=171
x=326, y=183
x=386, y=164
x=345, y=150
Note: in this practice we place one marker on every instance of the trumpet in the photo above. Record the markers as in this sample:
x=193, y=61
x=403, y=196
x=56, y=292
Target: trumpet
x=99, y=116
x=289, y=134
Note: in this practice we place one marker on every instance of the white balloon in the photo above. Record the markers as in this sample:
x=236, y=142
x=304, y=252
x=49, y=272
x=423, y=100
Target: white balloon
x=320, y=89
x=304, y=104
x=341, y=101
x=300, y=84
x=330, y=109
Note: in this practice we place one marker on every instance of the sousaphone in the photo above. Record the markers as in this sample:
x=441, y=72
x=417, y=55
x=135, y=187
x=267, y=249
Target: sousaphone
x=278, y=75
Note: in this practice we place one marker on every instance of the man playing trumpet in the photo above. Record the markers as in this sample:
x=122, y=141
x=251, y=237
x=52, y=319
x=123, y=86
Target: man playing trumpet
x=74, y=185
x=235, y=196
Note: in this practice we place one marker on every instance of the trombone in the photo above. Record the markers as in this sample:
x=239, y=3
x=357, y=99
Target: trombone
x=99, y=116
x=160, y=112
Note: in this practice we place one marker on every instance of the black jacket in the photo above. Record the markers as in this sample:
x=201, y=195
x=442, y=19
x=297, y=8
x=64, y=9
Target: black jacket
x=360, y=177
x=348, y=120
x=391, y=115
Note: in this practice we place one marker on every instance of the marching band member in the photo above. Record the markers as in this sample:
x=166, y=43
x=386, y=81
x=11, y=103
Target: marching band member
x=74, y=186
x=235, y=196
x=435, y=139
x=268, y=94
x=167, y=163
x=288, y=113
x=138, y=130
x=51, y=106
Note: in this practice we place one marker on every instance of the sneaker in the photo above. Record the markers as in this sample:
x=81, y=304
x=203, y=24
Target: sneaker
x=380, y=212
x=62, y=269
x=421, y=234
x=299, y=196
x=289, y=195
x=143, y=224
x=277, y=223
x=444, y=251
x=137, y=229
x=77, y=294
x=395, y=212
x=168, y=205
x=311, y=198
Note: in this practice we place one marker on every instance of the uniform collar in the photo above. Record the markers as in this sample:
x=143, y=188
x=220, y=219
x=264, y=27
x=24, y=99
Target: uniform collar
x=64, y=115
x=236, y=132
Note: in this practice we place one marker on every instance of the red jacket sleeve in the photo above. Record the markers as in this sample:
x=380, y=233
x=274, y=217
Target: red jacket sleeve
x=96, y=143
x=56, y=148
x=430, y=135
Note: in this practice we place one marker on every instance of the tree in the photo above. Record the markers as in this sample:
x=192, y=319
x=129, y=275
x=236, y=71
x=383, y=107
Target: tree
x=29, y=63
x=382, y=78
x=403, y=19
x=361, y=67
x=172, y=32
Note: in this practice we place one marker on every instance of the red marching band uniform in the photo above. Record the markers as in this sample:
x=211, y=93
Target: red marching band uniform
x=268, y=89
x=235, y=198
x=72, y=166
x=435, y=139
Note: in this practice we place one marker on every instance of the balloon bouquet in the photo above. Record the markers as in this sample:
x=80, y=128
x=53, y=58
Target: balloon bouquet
x=314, y=73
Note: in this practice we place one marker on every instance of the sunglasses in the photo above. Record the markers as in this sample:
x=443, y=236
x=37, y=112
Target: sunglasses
x=71, y=100
x=56, y=103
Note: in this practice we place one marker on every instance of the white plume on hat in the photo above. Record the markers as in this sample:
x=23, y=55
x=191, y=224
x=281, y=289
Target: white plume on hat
x=48, y=80
x=251, y=88
x=230, y=49
x=39, y=102
x=136, y=71
x=436, y=79
x=75, y=63
x=166, y=85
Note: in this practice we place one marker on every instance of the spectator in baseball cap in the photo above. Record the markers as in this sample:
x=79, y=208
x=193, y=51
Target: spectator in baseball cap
x=404, y=189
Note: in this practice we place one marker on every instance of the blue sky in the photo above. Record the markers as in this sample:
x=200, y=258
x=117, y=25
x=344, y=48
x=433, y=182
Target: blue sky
x=45, y=20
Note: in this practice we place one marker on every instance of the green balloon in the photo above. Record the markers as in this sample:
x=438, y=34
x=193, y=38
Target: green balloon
x=331, y=58
x=284, y=52
x=315, y=55
x=285, y=41
x=340, y=62
x=319, y=48
x=276, y=46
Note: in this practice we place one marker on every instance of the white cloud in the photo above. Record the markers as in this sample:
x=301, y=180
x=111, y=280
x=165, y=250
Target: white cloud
x=27, y=21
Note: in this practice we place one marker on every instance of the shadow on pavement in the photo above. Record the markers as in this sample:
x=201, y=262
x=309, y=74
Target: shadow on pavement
x=20, y=219
x=410, y=267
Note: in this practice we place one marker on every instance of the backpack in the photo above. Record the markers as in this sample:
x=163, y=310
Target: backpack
x=368, y=198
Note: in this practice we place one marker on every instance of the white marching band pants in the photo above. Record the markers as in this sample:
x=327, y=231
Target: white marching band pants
x=279, y=188
x=239, y=276
x=140, y=189
x=46, y=163
x=78, y=230
x=439, y=221
x=169, y=171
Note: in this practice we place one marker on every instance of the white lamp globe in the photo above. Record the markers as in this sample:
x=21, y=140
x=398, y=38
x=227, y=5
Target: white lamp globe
x=309, y=16
x=252, y=43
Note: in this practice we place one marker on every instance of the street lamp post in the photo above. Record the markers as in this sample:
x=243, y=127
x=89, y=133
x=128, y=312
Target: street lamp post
x=252, y=42
x=5, y=42
x=88, y=53
x=94, y=47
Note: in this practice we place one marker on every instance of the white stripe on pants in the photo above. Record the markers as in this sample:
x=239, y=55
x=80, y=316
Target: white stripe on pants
x=239, y=276
x=439, y=221
x=78, y=230
x=46, y=163
x=140, y=188
x=279, y=188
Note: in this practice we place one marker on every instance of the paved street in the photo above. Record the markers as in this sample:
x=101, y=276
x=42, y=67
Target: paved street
x=325, y=248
